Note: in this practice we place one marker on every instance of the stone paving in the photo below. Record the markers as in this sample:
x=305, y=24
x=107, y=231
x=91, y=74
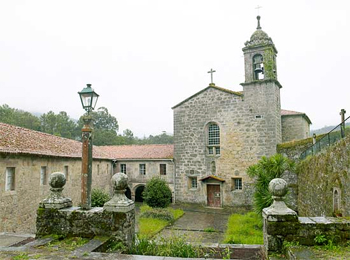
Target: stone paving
x=194, y=226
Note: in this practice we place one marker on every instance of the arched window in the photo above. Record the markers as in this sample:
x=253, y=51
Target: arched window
x=213, y=144
x=258, y=67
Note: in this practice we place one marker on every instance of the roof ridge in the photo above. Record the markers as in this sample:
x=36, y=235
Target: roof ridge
x=43, y=133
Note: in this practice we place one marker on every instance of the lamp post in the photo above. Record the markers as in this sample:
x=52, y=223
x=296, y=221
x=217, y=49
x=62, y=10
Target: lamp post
x=88, y=99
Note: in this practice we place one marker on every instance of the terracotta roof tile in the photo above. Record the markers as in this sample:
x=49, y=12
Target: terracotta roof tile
x=18, y=140
x=149, y=151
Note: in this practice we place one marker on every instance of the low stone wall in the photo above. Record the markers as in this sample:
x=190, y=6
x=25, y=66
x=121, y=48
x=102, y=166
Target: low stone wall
x=116, y=219
x=283, y=224
x=304, y=230
x=86, y=223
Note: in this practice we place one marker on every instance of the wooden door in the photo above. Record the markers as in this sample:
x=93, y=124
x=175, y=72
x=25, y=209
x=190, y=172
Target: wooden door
x=213, y=195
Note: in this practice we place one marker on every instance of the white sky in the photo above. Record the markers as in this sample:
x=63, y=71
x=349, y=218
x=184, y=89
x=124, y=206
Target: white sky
x=143, y=56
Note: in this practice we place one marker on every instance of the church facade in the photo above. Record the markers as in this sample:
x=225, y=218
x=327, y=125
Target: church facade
x=219, y=133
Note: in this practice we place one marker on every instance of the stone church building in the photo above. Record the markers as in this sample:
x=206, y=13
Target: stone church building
x=219, y=133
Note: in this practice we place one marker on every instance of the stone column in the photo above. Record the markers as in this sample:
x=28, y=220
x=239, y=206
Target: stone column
x=123, y=209
x=279, y=220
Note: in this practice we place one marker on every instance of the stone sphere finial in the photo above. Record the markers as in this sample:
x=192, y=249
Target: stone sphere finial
x=57, y=180
x=119, y=181
x=55, y=199
x=278, y=188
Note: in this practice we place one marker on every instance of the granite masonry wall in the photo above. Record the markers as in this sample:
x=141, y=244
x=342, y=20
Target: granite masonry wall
x=294, y=127
x=135, y=179
x=250, y=127
x=324, y=185
x=18, y=206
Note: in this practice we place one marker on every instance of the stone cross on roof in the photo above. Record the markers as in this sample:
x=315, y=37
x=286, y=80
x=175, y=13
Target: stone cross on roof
x=211, y=71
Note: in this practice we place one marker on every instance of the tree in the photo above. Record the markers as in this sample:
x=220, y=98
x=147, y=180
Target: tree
x=105, y=127
x=59, y=125
x=157, y=193
x=264, y=171
x=18, y=117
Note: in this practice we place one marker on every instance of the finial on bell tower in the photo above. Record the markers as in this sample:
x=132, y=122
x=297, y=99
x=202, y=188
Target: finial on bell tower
x=259, y=27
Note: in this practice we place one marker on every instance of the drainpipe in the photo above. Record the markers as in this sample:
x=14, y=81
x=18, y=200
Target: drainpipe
x=174, y=179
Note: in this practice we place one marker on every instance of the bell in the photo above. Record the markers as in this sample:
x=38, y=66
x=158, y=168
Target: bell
x=258, y=70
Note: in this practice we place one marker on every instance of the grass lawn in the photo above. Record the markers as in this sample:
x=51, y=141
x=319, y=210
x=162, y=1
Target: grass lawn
x=244, y=229
x=149, y=226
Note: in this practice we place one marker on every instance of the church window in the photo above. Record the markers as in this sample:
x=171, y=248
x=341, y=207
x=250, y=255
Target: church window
x=10, y=179
x=258, y=67
x=43, y=175
x=123, y=168
x=142, y=169
x=213, y=145
x=193, y=182
x=237, y=184
x=162, y=169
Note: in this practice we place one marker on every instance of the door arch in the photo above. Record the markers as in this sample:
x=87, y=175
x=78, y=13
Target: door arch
x=138, y=193
x=128, y=193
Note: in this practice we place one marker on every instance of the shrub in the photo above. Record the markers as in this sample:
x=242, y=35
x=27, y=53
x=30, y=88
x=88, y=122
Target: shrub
x=265, y=171
x=157, y=193
x=99, y=197
x=159, y=213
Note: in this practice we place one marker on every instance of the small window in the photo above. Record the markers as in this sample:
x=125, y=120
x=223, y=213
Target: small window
x=217, y=150
x=162, y=168
x=10, y=179
x=193, y=182
x=237, y=184
x=123, y=168
x=107, y=168
x=258, y=116
x=98, y=169
x=66, y=171
x=43, y=175
x=143, y=169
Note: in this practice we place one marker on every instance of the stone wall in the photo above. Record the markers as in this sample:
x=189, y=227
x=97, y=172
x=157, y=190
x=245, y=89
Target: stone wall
x=281, y=224
x=86, y=223
x=324, y=185
x=18, y=207
x=250, y=127
x=294, y=127
x=293, y=149
x=135, y=179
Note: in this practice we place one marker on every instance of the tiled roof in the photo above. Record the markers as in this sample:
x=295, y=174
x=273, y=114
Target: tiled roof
x=148, y=151
x=18, y=140
x=212, y=85
x=294, y=113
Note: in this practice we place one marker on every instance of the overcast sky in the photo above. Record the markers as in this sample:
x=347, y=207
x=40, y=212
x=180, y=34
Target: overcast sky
x=143, y=57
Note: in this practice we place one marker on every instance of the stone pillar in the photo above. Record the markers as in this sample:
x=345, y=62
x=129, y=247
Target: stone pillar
x=56, y=200
x=122, y=208
x=279, y=220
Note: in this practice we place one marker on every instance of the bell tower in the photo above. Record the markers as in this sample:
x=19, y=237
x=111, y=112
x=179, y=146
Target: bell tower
x=262, y=90
x=260, y=57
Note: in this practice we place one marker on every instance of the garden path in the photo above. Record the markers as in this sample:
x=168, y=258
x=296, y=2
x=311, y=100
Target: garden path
x=199, y=224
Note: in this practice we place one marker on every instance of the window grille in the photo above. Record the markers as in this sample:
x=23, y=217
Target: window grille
x=123, y=168
x=162, y=168
x=143, y=169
